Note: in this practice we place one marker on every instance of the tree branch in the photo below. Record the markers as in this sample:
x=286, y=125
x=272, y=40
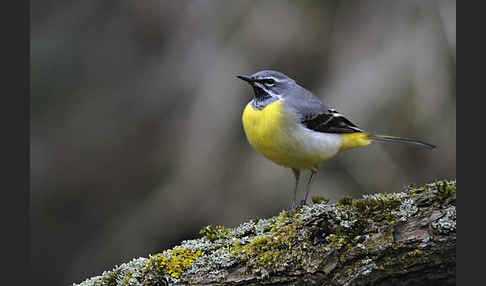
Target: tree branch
x=406, y=238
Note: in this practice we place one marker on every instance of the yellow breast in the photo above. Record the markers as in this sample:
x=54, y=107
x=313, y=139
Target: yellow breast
x=265, y=129
x=272, y=132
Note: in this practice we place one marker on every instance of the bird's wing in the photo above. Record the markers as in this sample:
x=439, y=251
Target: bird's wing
x=315, y=115
x=330, y=122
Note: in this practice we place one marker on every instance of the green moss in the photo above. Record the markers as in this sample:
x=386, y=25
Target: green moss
x=283, y=218
x=404, y=260
x=214, y=232
x=338, y=241
x=446, y=190
x=375, y=243
x=379, y=208
x=346, y=201
x=372, y=207
x=319, y=200
x=171, y=262
x=110, y=279
x=268, y=250
x=356, y=228
x=128, y=278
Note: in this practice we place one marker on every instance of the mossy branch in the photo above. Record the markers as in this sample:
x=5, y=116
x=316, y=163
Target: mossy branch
x=406, y=238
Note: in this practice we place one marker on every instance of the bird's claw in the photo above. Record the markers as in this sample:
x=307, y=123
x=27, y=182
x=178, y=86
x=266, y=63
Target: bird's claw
x=295, y=206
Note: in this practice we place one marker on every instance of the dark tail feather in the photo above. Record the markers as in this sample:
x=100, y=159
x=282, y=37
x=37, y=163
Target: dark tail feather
x=386, y=138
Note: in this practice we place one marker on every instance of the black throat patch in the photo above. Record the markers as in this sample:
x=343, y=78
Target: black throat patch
x=262, y=98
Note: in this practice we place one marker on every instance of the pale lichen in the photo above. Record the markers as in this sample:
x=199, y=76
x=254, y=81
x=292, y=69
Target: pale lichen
x=306, y=213
x=128, y=273
x=385, y=196
x=212, y=264
x=262, y=226
x=202, y=244
x=446, y=223
x=367, y=265
x=407, y=209
x=346, y=217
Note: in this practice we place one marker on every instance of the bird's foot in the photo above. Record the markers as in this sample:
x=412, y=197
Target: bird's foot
x=295, y=206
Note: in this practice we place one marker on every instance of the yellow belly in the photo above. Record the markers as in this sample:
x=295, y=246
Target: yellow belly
x=272, y=132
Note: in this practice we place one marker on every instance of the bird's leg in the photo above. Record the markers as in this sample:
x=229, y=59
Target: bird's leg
x=294, y=205
x=307, y=191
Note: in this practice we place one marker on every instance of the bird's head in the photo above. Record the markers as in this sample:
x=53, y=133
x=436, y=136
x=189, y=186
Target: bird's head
x=268, y=83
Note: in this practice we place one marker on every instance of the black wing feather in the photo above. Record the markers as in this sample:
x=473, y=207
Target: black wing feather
x=330, y=122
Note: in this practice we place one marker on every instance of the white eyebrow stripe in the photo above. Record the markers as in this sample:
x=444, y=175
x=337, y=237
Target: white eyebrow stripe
x=269, y=77
x=276, y=79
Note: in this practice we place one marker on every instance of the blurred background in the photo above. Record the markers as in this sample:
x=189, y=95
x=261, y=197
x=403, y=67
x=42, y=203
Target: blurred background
x=136, y=135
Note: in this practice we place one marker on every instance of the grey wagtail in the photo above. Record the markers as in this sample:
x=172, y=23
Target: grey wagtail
x=290, y=126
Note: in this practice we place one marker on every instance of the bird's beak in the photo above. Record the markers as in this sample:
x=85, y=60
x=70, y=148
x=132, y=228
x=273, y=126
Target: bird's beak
x=245, y=78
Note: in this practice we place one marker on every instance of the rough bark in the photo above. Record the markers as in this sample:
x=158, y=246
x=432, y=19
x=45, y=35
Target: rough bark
x=406, y=238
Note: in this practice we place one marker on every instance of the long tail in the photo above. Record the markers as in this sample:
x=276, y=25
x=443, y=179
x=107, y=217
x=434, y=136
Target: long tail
x=386, y=138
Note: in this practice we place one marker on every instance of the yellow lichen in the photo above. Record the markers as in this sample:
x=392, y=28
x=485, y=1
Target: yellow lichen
x=214, y=232
x=415, y=252
x=173, y=262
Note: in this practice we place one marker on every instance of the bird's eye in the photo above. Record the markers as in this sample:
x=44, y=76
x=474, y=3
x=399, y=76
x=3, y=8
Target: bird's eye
x=269, y=81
